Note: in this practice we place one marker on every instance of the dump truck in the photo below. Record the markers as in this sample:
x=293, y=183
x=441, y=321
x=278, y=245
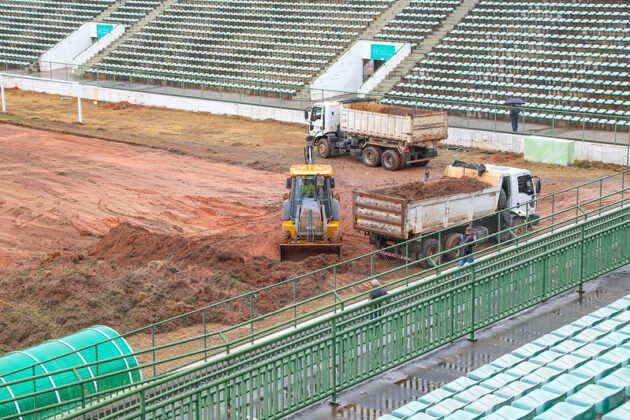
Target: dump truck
x=392, y=136
x=391, y=219
x=310, y=223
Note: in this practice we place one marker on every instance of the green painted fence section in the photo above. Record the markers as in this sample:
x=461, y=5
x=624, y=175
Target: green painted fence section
x=306, y=364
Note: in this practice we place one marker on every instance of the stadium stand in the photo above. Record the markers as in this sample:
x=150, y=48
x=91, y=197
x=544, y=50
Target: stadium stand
x=131, y=11
x=28, y=28
x=416, y=20
x=578, y=371
x=559, y=56
x=276, y=47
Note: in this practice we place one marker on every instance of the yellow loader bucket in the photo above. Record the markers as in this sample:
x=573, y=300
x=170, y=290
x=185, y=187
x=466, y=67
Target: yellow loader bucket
x=297, y=252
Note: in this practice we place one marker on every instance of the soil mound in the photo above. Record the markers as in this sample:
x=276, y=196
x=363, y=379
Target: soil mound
x=117, y=105
x=436, y=188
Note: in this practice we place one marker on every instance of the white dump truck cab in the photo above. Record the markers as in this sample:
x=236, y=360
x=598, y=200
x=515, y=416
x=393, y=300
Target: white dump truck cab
x=518, y=191
x=323, y=118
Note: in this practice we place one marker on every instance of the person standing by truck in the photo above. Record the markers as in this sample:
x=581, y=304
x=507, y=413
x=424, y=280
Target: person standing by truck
x=514, y=117
x=466, y=252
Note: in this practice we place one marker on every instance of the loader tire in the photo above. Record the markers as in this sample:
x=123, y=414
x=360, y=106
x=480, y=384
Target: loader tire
x=335, y=238
x=285, y=237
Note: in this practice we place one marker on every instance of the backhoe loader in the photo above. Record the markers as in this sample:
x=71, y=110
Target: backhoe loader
x=311, y=212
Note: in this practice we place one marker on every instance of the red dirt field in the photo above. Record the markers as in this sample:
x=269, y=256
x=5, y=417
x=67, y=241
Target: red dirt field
x=100, y=232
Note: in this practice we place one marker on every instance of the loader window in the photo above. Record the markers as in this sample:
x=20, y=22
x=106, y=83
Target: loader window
x=304, y=187
x=525, y=184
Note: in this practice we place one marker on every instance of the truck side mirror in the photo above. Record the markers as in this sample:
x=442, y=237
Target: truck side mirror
x=538, y=186
x=289, y=182
x=306, y=114
x=332, y=182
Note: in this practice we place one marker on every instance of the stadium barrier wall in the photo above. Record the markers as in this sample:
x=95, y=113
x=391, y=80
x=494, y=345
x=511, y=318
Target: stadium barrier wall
x=479, y=138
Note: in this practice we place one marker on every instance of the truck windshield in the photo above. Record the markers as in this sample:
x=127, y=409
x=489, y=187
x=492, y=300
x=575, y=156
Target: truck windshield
x=525, y=184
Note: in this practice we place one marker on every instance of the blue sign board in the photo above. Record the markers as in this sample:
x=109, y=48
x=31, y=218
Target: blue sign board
x=382, y=52
x=102, y=30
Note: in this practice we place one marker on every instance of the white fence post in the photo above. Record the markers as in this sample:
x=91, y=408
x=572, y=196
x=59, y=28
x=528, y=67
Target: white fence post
x=79, y=103
x=4, y=102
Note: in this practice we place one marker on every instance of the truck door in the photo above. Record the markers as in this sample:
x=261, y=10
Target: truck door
x=526, y=194
x=316, y=124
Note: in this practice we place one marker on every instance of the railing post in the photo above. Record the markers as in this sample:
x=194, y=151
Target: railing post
x=79, y=103
x=205, y=336
x=407, y=261
x=251, y=316
x=553, y=203
x=153, y=347
x=34, y=389
x=472, y=306
x=580, y=290
x=334, y=367
x=294, y=305
x=142, y=405
x=371, y=264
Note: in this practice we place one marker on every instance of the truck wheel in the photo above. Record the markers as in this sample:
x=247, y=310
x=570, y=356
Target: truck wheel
x=451, y=241
x=371, y=156
x=430, y=247
x=519, y=230
x=324, y=150
x=391, y=160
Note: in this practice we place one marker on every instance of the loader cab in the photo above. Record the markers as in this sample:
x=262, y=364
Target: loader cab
x=314, y=183
x=322, y=118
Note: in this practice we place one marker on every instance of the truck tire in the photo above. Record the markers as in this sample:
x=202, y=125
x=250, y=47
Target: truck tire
x=430, y=247
x=371, y=156
x=519, y=230
x=324, y=149
x=451, y=241
x=391, y=160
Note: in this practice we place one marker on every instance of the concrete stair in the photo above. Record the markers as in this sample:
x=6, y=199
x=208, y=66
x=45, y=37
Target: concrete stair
x=421, y=51
x=131, y=31
x=369, y=32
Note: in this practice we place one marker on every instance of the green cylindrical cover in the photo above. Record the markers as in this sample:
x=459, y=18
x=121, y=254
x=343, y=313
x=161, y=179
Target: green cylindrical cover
x=72, y=351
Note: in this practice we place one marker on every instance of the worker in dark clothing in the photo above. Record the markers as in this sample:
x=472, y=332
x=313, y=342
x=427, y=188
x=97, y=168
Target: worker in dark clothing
x=466, y=251
x=376, y=293
x=514, y=117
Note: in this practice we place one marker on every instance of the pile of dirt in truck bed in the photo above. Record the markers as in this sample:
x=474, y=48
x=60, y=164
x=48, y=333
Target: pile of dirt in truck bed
x=387, y=109
x=435, y=188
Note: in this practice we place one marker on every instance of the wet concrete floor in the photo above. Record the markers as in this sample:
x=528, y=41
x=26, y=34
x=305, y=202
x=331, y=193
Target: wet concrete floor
x=408, y=382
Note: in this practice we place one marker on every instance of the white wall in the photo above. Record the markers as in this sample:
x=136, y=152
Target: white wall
x=65, y=88
x=506, y=142
x=77, y=47
x=385, y=69
x=346, y=74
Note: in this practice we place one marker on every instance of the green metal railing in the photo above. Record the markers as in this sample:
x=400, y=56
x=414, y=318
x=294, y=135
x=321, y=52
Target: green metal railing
x=329, y=303
x=561, y=124
x=315, y=361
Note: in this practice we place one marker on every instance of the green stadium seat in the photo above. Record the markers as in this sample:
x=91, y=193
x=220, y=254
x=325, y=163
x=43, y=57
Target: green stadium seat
x=460, y=384
x=568, y=411
x=538, y=400
x=516, y=389
x=511, y=413
x=595, y=369
x=567, y=384
x=435, y=397
x=604, y=399
x=620, y=413
x=445, y=407
x=618, y=379
x=462, y=415
x=498, y=381
x=484, y=372
x=543, y=375
x=421, y=416
x=487, y=404
x=409, y=409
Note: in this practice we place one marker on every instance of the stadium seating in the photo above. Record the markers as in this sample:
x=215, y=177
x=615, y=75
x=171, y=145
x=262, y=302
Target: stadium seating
x=251, y=46
x=28, y=28
x=131, y=11
x=579, y=371
x=554, y=55
x=416, y=20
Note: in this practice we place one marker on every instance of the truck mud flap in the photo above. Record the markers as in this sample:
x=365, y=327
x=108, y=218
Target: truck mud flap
x=297, y=252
